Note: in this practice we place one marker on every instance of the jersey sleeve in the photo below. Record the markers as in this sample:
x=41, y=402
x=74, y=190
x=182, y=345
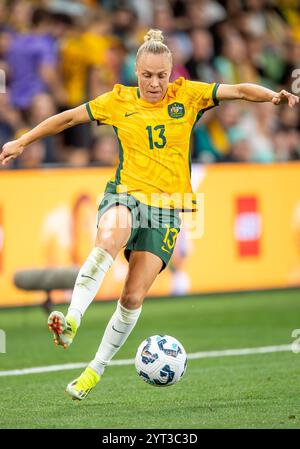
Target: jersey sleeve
x=203, y=95
x=100, y=108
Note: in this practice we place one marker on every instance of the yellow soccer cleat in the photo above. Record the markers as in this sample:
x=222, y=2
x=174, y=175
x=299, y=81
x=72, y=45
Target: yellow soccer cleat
x=79, y=388
x=63, y=329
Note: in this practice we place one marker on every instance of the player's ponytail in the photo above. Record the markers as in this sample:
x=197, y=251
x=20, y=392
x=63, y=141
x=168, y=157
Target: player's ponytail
x=154, y=44
x=155, y=35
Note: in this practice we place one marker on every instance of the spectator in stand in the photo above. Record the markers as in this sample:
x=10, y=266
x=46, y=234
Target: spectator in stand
x=204, y=13
x=261, y=18
x=265, y=59
x=98, y=44
x=19, y=15
x=240, y=150
x=289, y=118
x=33, y=158
x=124, y=22
x=144, y=11
x=200, y=65
x=259, y=123
x=164, y=20
x=76, y=156
x=35, y=87
x=286, y=145
x=291, y=14
x=179, y=60
x=11, y=122
x=105, y=150
x=58, y=54
x=73, y=63
x=74, y=72
x=215, y=133
x=3, y=16
x=233, y=64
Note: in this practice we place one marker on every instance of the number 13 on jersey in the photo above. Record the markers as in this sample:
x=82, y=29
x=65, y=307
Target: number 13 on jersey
x=156, y=136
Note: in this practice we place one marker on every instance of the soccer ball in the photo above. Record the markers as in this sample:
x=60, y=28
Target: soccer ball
x=161, y=360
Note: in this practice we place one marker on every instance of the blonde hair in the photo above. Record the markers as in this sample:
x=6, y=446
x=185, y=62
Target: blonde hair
x=154, y=44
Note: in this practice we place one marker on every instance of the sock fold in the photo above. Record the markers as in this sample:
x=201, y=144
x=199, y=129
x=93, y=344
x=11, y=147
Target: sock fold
x=116, y=333
x=89, y=280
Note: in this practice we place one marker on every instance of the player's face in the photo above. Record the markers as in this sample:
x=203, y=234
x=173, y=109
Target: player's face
x=153, y=72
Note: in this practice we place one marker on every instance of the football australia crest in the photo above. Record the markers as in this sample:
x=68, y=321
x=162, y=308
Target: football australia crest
x=176, y=110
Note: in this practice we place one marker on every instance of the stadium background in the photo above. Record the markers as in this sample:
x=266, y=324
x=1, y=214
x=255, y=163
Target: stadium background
x=57, y=54
x=250, y=237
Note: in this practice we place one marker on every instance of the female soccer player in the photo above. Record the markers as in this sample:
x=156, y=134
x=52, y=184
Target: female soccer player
x=141, y=204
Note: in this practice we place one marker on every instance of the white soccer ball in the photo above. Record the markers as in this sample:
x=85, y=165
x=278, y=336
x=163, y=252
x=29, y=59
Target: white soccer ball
x=161, y=360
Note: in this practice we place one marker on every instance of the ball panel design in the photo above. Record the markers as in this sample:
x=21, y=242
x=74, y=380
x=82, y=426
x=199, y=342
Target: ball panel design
x=161, y=360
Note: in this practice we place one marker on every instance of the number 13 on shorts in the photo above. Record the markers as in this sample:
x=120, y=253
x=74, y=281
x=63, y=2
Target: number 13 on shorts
x=169, y=239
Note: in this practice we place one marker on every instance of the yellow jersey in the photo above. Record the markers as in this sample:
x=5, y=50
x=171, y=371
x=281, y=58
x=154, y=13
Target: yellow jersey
x=154, y=140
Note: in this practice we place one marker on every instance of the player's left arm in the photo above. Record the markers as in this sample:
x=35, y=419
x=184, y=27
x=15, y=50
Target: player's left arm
x=254, y=92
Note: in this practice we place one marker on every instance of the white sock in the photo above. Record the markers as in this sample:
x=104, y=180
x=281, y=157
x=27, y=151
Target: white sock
x=74, y=313
x=88, y=282
x=118, y=329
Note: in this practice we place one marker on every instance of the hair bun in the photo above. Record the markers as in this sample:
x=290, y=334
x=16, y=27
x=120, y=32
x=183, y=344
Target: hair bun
x=154, y=35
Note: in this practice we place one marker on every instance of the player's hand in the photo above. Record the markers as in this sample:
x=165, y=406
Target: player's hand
x=285, y=97
x=11, y=150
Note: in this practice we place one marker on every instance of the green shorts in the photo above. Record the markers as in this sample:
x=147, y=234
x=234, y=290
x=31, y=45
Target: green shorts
x=153, y=229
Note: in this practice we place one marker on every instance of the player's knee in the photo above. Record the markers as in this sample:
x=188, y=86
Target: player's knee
x=132, y=299
x=108, y=243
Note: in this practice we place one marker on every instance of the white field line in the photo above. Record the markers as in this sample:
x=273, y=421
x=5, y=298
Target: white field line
x=195, y=355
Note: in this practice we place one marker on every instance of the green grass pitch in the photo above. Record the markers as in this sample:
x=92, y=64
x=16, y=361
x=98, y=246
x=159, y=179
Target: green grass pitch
x=253, y=391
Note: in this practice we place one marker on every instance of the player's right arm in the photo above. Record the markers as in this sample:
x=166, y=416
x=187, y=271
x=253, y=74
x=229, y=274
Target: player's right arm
x=50, y=126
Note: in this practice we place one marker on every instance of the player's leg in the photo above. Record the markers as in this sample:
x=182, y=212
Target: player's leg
x=113, y=232
x=143, y=269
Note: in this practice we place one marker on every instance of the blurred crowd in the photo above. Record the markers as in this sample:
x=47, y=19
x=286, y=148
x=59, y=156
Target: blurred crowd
x=57, y=54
